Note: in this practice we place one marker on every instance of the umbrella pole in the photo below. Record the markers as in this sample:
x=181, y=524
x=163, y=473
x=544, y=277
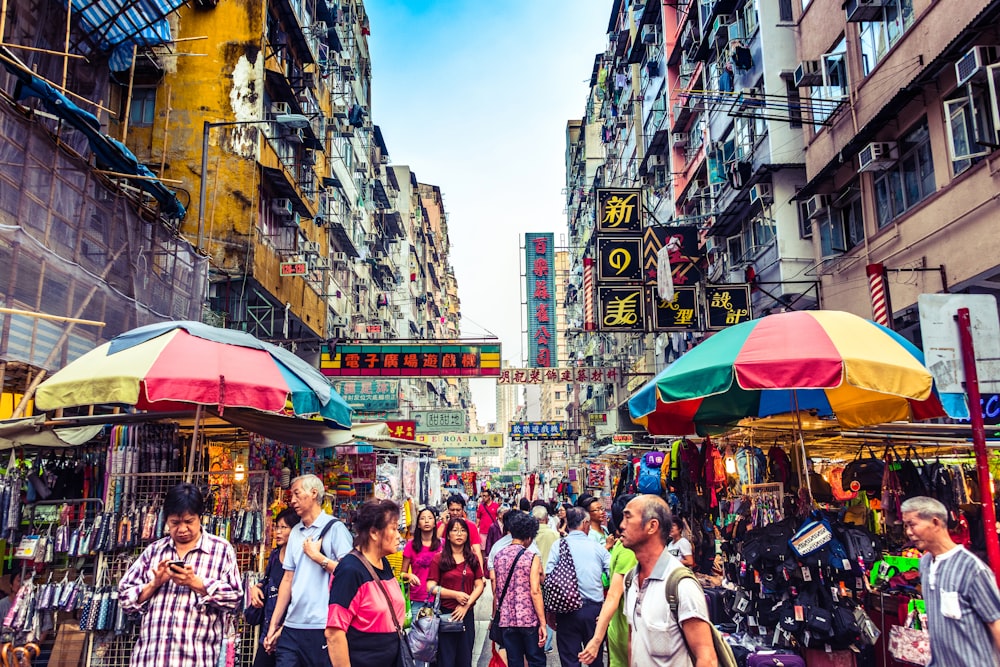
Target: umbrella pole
x=194, y=443
x=804, y=468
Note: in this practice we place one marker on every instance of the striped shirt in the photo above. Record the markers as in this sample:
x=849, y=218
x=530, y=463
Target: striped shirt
x=962, y=598
x=179, y=627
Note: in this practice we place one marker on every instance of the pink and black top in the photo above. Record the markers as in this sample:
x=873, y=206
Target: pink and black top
x=359, y=608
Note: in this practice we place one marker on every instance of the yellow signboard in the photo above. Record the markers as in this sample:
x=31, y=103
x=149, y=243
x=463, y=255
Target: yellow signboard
x=459, y=440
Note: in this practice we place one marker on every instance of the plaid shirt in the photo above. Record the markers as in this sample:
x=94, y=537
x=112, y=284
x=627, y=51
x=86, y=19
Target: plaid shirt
x=179, y=627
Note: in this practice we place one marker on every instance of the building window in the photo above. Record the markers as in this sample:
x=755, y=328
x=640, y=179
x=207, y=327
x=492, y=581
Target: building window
x=826, y=98
x=970, y=120
x=785, y=11
x=748, y=19
x=558, y=395
x=877, y=37
x=909, y=181
x=143, y=108
x=843, y=228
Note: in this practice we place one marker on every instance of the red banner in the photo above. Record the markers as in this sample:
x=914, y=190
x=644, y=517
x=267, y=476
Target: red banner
x=404, y=430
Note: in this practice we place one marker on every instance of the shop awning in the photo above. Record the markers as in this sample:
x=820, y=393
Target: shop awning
x=38, y=432
x=313, y=433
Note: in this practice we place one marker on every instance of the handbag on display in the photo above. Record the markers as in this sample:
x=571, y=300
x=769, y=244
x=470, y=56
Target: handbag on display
x=867, y=472
x=909, y=644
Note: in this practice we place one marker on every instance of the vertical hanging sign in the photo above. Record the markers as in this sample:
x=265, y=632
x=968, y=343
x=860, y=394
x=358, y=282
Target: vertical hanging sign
x=540, y=285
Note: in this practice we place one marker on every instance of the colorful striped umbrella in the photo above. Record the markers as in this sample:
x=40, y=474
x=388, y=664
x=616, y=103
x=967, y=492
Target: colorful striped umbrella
x=834, y=364
x=181, y=365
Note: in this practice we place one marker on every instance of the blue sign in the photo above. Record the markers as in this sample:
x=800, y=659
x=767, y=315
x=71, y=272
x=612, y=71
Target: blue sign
x=539, y=275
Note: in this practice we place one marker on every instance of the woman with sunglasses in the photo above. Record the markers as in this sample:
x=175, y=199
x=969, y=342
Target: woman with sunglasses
x=457, y=576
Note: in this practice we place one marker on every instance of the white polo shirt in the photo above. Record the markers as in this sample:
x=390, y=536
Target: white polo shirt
x=656, y=639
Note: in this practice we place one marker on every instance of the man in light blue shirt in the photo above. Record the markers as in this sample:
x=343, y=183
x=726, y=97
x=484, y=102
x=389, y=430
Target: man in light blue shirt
x=591, y=562
x=314, y=548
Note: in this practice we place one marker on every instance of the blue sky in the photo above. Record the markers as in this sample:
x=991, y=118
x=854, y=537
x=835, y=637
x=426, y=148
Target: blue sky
x=474, y=96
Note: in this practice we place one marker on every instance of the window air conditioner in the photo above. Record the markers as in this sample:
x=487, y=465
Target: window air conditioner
x=877, y=156
x=290, y=221
x=808, y=73
x=865, y=10
x=320, y=264
x=280, y=108
x=340, y=257
x=680, y=139
x=973, y=62
x=816, y=205
x=762, y=193
x=282, y=207
x=310, y=248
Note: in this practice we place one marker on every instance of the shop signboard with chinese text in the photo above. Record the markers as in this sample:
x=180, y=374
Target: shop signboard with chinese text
x=619, y=258
x=596, y=418
x=619, y=210
x=540, y=287
x=542, y=431
x=439, y=421
x=416, y=360
x=558, y=375
x=621, y=439
x=621, y=308
x=683, y=250
x=292, y=269
x=370, y=395
x=403, y=429
x=726, y=305
x=682, y=313
x=473, y=440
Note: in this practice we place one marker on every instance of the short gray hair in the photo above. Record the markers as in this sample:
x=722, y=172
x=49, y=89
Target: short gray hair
x=540, y=513
x=575, y=516
x=655, y=507
x=926, y=508
x=311, y=483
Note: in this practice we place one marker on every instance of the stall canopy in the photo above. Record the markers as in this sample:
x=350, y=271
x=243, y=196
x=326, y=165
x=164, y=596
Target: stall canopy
x=37, y=432
x=313, y=433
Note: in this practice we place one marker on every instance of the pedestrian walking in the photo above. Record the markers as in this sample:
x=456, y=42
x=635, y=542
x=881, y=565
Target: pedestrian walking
x=487, y=514
x=457, y=576
x=959, y=590
x=182, y=585
x=314, y=548
x=590, y=561
x=680, y=546
x=418, y=554
x=456, y=510
x=366, y=602
x=264, y=595
x=598, y=517
x=611, y=622
x=659, y=637
x=521, y=612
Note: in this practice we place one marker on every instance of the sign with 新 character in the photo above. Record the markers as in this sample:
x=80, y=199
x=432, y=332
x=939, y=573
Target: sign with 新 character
x=583, y=375
x=416, y=360
x=679, y=314
x=619, y=258
x=619, y=210
x=439, y=421
x=621, y=308
x=292, y=269
x=726, y=305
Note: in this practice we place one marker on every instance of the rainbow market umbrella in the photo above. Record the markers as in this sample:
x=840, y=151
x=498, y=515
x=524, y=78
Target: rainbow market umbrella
x=832, y=364
x=174, y=366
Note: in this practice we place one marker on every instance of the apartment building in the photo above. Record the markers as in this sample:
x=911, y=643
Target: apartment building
x=901, y=147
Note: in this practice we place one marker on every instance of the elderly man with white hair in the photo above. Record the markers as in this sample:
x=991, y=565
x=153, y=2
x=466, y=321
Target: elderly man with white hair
x=314, y=548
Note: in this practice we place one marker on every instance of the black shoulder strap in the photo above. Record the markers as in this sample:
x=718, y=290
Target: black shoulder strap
x=510, y=574
x=324, y=531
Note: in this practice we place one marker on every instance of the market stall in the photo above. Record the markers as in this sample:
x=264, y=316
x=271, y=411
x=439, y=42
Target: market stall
x=811, y=537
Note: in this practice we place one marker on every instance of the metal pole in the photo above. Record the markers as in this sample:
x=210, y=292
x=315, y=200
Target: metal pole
x=979, y=440
x=202, y=191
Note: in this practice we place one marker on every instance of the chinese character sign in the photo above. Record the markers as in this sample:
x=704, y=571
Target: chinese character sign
x=542, y=431
x=370, y=395
x=678, y=314
x=419, y=360
x=619, y=258
x=404, y=430
x=471, y=440
x=727, y=305
x=682, y=246
x=558, y=375
x=621, y=308
x=541, y=290
x=619, y=210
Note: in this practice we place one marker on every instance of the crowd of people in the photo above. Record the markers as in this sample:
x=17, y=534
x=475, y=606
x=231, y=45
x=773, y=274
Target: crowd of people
x=330, y=597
